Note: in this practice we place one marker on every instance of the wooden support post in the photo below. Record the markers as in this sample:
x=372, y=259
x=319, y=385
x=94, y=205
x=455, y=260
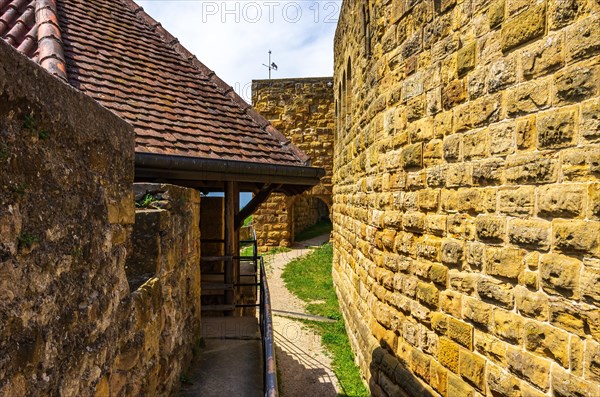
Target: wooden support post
x=230, y=194
x=236, y=246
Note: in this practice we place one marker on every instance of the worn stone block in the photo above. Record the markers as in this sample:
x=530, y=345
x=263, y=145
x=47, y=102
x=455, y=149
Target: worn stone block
x=465, y=59
x=453, y=94
x=493, y=290
x=438, y=377
x=460, y=332
x=532, y=168
x=452, y=252
x=557, y=129
x=495, y=14
x=412, y=156
x=571, y=317
x=490, y=346
x=490, y=228
x=504, y=262
x=544, y=56
x=502, y=74
x=561, y=200
x=576, y=236
x=590, y=284
x=420, y=363
x=532, y=368
x=488, y=172
x=477, y=311
x=502, y=383
x=463, y=282
x=523, y=27
x=517, y=202
x=476, y=144
x=531, y=304
x=547, y=341
x=508, y=326
x=563, y=12
x=589, y=121
x=451, y=303
x=528, y=97
x=448, y=354
x=472, y=368
x=577, y=83
x=457, y=387
x=502, y=138
x=530, y=233
x=560, y=274
x=428, y=294
x=583, y=40
x=565, y=384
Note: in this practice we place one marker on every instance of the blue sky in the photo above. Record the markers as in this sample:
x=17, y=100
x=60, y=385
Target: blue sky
x=233, y=37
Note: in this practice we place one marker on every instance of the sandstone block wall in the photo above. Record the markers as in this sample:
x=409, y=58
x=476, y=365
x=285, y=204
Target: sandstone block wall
x=303, y=110
x=69, y=323
x=466, y=206
x=163, y=327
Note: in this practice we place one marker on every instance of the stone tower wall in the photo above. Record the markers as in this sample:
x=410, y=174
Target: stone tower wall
x=467, y=195
x=302, y=109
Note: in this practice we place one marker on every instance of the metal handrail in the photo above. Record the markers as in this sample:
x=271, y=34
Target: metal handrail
x=266, y=330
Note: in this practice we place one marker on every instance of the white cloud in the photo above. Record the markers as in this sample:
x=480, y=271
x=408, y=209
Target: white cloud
x=233, y=37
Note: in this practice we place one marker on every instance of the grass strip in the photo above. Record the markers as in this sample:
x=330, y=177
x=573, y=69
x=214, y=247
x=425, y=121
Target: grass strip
x=316, y=230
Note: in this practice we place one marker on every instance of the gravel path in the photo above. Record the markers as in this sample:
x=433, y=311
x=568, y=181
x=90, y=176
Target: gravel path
x=304, y=366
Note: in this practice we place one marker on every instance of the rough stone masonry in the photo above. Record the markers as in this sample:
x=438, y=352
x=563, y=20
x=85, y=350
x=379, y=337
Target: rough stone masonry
x=303, y=110
x=467, y=195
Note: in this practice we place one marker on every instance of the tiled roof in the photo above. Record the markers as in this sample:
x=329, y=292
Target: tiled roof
x=114, y=52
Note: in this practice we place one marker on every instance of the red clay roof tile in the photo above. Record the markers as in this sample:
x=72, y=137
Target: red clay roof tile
x=116, y=53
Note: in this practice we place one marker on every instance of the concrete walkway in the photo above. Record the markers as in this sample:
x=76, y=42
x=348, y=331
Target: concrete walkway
x=230, y=364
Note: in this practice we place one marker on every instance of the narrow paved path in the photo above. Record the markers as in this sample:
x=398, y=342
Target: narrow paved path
x=230, y=363
x=305, y=368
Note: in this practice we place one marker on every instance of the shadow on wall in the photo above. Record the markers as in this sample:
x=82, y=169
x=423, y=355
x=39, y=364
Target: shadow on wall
x=387, y=373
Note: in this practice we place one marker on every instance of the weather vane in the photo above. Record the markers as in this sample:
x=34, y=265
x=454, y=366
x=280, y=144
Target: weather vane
x=271, y=65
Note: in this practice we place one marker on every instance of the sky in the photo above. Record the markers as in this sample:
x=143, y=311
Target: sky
x=233, y=37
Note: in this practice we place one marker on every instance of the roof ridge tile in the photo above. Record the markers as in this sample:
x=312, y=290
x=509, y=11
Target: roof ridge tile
x=50, y=46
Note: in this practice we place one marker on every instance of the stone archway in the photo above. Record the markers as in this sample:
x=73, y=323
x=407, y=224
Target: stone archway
x=306, y=211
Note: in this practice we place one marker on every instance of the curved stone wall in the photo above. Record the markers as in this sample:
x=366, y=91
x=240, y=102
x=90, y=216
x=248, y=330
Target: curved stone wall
x=467, y=195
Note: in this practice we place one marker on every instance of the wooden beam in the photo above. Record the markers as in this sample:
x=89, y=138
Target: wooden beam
x=229, y=238
x=253, y=205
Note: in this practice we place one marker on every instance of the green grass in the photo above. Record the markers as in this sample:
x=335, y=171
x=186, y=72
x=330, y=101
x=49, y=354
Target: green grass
x=248, y=221
x=249, y=251
x=318, y=229
x=310, y=279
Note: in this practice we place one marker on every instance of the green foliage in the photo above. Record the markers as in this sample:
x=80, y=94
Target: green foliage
x=26, y=240
x=248, y=221
x=20, y=189
x=309, y=278
x=30, y=123
x=145, y=201
x=4, y=152
x=318, y=229
x=247, y=250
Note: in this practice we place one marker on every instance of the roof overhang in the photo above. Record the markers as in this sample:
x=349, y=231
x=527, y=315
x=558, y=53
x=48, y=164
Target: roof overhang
x=209, y=174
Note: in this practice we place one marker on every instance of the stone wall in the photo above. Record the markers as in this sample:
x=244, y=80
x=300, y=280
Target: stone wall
x=69, y=324
x=163, y=326
x=303, y=110
x=466, y=202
